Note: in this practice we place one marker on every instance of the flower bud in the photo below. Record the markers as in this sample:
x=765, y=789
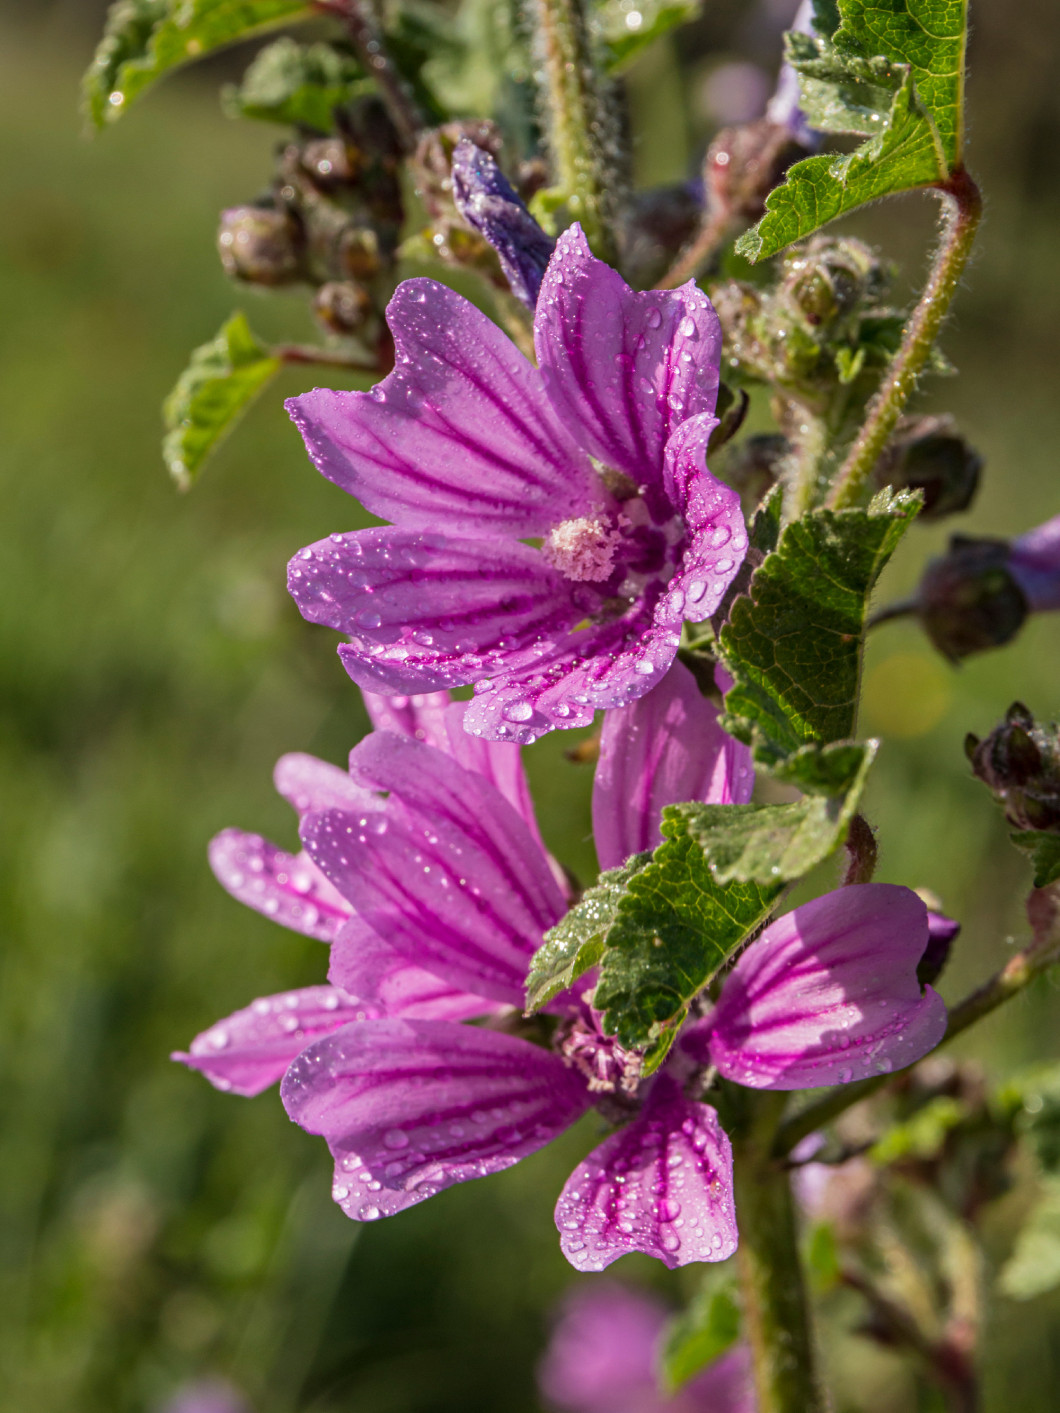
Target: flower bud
x=490, y=206
x=744, y=164
x=330, y=161
x=343, y=306
x=969, y=599
x=1020, y=762
x=259, y=244
x=928, y=454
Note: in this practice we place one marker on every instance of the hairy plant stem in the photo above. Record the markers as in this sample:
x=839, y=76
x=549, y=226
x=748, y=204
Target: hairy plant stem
x=809, y=439
x=962, y=210
x=368, y=45
x=776, y=1307
x=331, y=357
x=1015, y=976
x=576, y=119
x=712, y=235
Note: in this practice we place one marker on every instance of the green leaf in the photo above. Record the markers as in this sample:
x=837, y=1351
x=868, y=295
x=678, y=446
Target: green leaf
x=625, y=32
x=145, y=39
x=923, y=1135
x=576, y=943
x=1044, y=849
x=674, y=927
x=297, y=84
x=1034, y=1266
x=888, y=70
x=770, y=843
x=793, y=643
x=221, y=380
x=701, y=1333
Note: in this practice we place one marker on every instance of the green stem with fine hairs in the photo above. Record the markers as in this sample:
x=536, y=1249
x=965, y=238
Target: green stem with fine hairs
x=577, y=121
x=962, y=211
x=775, y=1300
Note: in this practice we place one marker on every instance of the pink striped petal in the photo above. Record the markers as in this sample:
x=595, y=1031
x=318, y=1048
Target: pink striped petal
x=366, y=965
x=829, y=994
x=460, y=436
x=661, y=1185
x=663, y=748
x=426, y=1104
x=717, y=535
x=624, y=369
x=289, y=888
x=449, y=875
x=307, y=783
x=421, y=715
x=248, y=1051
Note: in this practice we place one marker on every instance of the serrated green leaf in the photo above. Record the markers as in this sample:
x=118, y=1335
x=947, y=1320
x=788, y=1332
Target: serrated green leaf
x=1034, y=1266
x=1044, y=849
x=891, y=71
x=769, y=843
x=297, y=84
x=145, y=39
x=576, y=943
x=626, y=32
x=675, y=926
x=701, y=1333
x=221, y=380
x=793, y=643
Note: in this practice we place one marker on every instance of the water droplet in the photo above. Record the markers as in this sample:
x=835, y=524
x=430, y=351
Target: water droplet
x=369, y=1214
x=394, y=1138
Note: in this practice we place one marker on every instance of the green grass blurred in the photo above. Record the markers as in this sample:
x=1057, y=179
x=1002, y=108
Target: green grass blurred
x=152, y=669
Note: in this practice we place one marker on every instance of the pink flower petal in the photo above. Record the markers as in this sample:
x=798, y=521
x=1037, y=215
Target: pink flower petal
x=623, y=368
x=248, y=1051
x=663, y=748
x=717, y=535
x=366, y=965
x=424, y=612
x=829, y=994
x=421, y=715
x=425, y=1104
x=450, y=875
x=307, y=783
x=661, y=1185
x=460, y=436
x=289, y=888
x=601, y=1357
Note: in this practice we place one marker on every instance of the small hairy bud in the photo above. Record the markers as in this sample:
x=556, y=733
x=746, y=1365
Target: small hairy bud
x=1020, y=762
x=928, y=454
x=743, y=165
x=343, y=306
x=260, y=245
x=969, y=600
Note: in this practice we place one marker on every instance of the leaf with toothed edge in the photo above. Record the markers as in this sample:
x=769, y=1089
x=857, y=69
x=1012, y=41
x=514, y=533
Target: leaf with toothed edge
x=702, y=1332
x=891, y=71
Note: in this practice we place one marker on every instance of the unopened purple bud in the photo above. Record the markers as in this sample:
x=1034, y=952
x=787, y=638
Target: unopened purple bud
x=1035, y=565
x=928, y=454
x=259, y=244
x=490, y=205
x=942, y=933
x=1020, y=762
x=970, y=599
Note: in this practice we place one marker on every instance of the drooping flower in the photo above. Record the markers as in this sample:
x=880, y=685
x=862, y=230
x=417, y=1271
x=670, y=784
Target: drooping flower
x=598, y=453
x=603, y=1353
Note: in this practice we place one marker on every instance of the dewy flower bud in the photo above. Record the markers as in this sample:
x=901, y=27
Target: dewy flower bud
x=259, y=244
x=744, y=164
x=928, y=454
x=490, y=205
x=343, y=306
x=1020, y=762
x=970, y=599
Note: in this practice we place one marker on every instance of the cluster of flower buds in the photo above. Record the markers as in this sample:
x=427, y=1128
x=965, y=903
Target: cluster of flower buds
x=980, y=593
x=1020, y=762
x=823, y=326
x=332, y=220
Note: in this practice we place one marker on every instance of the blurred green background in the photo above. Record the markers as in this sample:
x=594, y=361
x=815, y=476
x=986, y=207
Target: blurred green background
x=152, y=669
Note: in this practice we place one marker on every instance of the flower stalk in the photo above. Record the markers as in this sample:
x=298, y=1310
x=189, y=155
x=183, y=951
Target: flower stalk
x=776, y=1306
x=576, y=119
x=370, y=49
x=962, y=211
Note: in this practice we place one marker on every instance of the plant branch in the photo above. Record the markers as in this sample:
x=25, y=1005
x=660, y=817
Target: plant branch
x=904, y=608
x=332, y=358
x=962, y=210
x=1015, y=976
x=369, y=47
x=576, y=120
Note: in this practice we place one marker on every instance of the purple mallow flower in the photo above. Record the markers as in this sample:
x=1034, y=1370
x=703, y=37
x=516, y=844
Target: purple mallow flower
x=449, y=891
x=603, y=1353
x=489, y=204
x=598, y=455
